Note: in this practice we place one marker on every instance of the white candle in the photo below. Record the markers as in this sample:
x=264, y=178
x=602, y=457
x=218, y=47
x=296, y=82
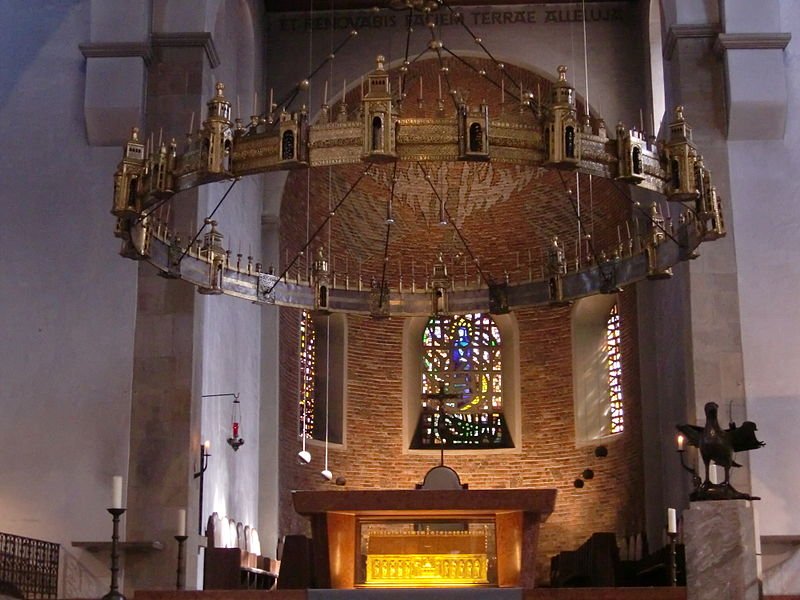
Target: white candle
x=681, y=442
x=116, y=491
x=181, y=521
x=325, y=95
x=672, y=520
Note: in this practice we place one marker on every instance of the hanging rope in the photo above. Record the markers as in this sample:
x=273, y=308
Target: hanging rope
x=319, y=229
x=199, y=231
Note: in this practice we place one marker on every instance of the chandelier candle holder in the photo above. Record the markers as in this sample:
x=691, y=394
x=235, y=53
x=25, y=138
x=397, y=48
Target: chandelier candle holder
x=547, y=134
x=116, y=512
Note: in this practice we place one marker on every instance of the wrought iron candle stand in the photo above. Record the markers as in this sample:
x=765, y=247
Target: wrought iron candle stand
x=114, y=593
x=181, y=539
x=673, y=559
x=204, y=454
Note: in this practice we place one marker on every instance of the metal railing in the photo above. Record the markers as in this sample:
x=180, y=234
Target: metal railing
x=30, y=565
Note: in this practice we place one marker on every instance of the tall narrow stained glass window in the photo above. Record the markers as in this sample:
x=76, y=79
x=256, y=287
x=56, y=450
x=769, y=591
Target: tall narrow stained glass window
x=306, y=422
x=461, y=387
x=614, y=362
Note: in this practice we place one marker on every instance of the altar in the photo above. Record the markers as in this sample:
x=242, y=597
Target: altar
x=425, y=538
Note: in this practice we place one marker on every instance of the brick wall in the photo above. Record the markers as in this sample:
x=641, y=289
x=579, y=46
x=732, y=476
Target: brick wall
x=507, y=214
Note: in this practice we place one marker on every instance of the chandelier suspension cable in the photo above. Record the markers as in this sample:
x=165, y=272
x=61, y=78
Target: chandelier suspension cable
x=389, y=221
x=327, y=390
x=576, y=210
x=585, y=57
x=293, y=93
x=647, y=216
x=455, y=227
x=580, y=222
x=318, y=229
x=308, y=103
x=438, y=44
x=404, y=70
x=199, y=231
x=587, y=106
x=146, y=213
x=479, y=41
x=482, y=74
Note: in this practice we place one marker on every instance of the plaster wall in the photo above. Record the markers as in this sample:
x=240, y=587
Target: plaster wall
x=534, y=37
x=67, y=302
x=766, y=218
x=230, y=328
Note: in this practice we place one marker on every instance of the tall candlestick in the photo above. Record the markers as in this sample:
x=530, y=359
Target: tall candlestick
x=116, y=491
x=181, y=521
x=672, y=520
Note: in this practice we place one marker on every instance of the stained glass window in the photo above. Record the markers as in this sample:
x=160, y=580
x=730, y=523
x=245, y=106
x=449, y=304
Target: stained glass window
x=614, y=363
x=307, y=375
x=461, y=385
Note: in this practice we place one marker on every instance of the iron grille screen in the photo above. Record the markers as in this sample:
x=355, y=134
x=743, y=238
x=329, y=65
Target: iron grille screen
x=30, y=565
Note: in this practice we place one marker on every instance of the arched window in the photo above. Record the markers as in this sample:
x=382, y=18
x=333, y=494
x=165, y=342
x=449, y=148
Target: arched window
x=287, y=146
x=308, y=356
x=614, y=365
x=322, y=376
x=636, y=160
x=377, y=134
x=597, y=368
x=569, y=141
x=460, y=385
x=475, y=138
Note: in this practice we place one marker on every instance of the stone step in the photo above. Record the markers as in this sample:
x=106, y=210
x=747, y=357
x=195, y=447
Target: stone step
x=653, y=593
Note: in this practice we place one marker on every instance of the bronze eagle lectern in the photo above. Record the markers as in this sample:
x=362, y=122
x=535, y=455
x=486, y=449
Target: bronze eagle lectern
x=719, y=446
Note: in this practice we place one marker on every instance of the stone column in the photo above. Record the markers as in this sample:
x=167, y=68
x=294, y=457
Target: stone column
x=165, y=416
x=721, y=561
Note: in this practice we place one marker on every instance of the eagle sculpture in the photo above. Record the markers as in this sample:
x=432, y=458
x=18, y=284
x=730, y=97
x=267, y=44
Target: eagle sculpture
x=719, y=445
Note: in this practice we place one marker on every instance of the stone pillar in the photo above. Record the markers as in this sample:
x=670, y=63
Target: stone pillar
x=721, y=561
x=165, y=414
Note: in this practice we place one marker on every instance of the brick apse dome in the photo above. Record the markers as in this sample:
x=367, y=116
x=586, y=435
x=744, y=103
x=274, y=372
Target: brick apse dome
x=503, y=216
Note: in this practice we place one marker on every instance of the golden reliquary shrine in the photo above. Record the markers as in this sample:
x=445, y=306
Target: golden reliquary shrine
x=438, y=555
